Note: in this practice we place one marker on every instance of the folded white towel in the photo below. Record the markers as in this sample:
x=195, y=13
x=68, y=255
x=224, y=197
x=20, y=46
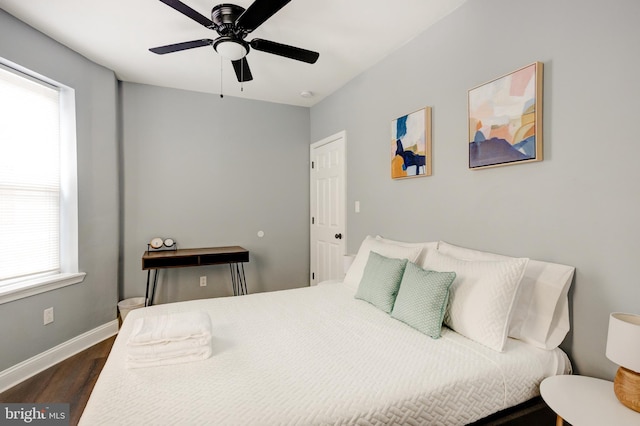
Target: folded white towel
x=204, y=353
x=169, y=339
x=169, y=350
x=170, y=328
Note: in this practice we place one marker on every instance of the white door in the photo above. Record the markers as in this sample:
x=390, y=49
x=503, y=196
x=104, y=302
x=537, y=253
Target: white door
x=328, y=215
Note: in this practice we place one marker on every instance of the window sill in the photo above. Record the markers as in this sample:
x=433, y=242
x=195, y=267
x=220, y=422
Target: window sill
x=23, y=289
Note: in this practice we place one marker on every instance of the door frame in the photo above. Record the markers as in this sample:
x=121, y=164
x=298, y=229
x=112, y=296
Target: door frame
x=342, y=135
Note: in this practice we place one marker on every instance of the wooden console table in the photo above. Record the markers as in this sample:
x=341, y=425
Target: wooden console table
x=235, y=256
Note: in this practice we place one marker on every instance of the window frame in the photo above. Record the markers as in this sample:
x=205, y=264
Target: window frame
x=69, y=269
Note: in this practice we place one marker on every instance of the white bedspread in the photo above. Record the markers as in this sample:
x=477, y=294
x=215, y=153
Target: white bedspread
x=317, y=356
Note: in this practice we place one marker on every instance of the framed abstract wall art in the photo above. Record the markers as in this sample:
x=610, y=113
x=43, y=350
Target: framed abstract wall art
x=505, y=119
x=411, y=145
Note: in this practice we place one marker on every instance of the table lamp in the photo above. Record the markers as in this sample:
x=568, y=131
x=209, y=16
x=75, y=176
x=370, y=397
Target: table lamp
x=623, y=348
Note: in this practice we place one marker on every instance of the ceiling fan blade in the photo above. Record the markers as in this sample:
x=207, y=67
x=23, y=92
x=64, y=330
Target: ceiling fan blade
x=287, y=51
x=258, y=12
x=241, y=67
x=187, y=11
x=170, y=48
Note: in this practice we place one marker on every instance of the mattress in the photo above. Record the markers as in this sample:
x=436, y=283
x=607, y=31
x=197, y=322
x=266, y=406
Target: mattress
x=318, y=356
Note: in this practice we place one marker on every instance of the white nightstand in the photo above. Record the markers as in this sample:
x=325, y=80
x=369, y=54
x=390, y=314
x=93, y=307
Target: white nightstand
x=585, y=401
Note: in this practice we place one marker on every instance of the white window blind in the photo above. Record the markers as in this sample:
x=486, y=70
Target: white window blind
x=29, y=177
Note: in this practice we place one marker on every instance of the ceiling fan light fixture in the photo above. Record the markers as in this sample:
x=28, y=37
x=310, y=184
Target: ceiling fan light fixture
x=231, y=49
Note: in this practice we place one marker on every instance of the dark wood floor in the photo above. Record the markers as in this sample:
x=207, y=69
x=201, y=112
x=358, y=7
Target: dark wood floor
x=71, y=381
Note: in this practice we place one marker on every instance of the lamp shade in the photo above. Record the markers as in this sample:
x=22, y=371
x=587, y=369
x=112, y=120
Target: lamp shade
x=231, y=49
x=623, y=340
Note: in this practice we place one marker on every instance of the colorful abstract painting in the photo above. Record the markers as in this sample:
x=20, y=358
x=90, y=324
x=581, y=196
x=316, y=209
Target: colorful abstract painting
x=505, y=119
x=411, y=145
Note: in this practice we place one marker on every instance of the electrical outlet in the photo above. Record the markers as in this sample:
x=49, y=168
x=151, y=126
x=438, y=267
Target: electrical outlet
x=203, y=281
x=48, y=316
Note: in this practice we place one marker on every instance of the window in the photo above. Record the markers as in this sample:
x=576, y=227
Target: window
x=38, y=188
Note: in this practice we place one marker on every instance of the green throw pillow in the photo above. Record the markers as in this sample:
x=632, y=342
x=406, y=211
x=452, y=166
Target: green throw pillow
x=380, y=281
x=422, y=299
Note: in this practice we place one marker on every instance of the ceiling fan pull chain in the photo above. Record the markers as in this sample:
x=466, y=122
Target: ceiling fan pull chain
x=221, y=95
x=242, y=75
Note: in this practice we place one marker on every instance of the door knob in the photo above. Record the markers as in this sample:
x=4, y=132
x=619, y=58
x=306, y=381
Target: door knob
x=339, y=236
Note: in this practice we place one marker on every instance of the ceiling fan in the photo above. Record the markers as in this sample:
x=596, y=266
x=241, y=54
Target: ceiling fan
x=233, y=24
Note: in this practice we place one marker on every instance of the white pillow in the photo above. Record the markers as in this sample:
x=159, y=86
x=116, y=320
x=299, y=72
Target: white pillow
x=394, y=251
x=432, y=245
x=482, y=296
x=541, y=315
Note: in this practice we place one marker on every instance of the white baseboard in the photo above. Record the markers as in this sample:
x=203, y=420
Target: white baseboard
x=34, y=365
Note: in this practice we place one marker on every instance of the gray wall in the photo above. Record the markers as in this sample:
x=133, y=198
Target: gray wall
x=80, y=307
x=580, y=206
x=213, y=172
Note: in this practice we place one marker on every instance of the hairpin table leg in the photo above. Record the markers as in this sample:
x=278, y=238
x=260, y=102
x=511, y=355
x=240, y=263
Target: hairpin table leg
x=234, y=282
x=243, y=280
x=153, y=291
x=238, y=279
x=146, y=296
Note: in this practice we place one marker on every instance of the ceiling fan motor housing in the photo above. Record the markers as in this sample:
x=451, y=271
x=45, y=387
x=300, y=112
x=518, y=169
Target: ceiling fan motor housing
x=224, y=16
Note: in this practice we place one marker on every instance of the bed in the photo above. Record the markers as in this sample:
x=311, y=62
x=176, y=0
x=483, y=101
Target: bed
x=319, y=355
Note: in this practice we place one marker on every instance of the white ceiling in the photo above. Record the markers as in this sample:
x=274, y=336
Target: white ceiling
x=350, y=35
